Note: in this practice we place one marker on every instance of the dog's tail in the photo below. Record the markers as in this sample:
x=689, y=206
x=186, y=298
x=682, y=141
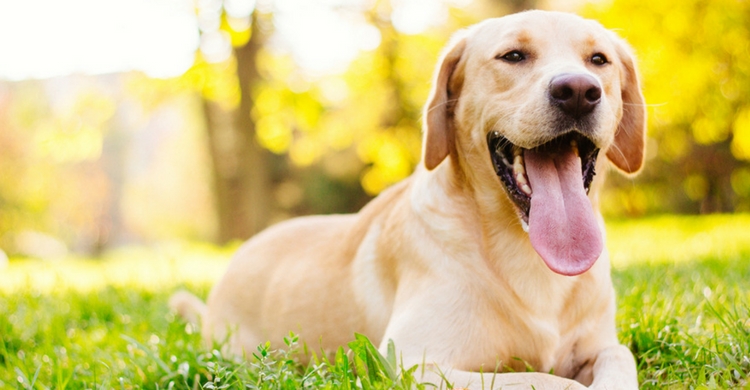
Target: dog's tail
x=188, y=306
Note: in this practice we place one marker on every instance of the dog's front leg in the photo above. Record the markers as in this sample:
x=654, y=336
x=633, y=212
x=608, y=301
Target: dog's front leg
x=614, y=369
x=489, y=381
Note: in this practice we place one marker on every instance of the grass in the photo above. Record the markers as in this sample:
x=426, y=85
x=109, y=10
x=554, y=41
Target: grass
x=683, y=288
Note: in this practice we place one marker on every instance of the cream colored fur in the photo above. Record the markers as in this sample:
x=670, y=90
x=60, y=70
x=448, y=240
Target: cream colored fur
x=439, y=263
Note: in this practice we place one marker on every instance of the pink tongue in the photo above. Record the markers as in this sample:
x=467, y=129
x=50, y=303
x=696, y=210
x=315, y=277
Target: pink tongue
x=562, y=224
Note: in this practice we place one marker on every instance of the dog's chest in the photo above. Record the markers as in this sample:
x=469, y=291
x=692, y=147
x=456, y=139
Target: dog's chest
x=539, y=343
x=531, y=328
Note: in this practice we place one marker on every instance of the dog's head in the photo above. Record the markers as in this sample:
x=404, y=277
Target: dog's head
x=530, y=100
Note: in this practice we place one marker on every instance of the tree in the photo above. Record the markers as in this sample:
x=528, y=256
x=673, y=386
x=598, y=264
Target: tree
x=233, y=33
x=242, y=181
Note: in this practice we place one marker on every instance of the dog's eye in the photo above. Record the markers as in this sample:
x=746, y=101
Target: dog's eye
x=512, y=56
x=599, y=59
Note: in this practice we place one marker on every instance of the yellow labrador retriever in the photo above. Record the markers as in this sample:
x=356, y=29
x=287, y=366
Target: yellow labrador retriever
x=492, y=252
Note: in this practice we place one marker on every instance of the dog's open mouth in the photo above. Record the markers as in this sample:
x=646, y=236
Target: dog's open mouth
x=549, y=186
x=509, y=163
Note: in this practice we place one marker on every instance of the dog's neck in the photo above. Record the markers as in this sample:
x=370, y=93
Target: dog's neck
x=455, y=198
x=484, y=215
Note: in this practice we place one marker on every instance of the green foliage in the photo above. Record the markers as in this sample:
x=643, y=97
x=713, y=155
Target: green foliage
x=684, y=307
x=687, y=323
x=90, y=342
x=686, y=319
x=104, y=324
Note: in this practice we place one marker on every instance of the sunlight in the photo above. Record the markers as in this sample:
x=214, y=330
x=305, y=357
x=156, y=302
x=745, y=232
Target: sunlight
x=322, y=39
x=135, y=267
x=415, y=16
x=672, y=239
x=47, y=38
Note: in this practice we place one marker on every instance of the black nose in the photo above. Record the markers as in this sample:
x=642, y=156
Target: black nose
x=575, y=94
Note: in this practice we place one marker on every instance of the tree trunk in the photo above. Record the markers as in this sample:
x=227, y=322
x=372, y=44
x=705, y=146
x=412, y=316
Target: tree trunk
x=241, y=166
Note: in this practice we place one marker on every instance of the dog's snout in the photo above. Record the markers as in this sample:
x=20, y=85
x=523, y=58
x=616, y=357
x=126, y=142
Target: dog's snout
x=576, y=94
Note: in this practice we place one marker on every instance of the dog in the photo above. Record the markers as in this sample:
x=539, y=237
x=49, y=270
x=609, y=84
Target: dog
x=491, y=254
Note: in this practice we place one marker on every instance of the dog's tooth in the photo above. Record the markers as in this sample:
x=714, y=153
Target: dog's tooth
x=519, y=171
x=574, y=145
x=523, y=183
x=518, y=164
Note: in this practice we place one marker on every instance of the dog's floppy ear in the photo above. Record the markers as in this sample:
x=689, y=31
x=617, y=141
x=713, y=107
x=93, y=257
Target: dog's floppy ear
x=438, y=132
x=628, y=150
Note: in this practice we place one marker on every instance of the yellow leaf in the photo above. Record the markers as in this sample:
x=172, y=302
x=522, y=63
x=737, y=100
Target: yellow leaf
x=741, y=140
x=273, y=134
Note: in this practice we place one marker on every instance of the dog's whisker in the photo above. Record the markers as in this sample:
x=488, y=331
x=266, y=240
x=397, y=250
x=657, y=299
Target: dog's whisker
x=617, y=149
x=644, y=104
x=440, y=105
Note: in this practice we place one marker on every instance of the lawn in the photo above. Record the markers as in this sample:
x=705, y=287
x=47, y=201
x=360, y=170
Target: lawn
x=683, y=288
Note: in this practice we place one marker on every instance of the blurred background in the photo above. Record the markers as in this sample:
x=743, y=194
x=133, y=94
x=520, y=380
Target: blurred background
x=141, y=121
